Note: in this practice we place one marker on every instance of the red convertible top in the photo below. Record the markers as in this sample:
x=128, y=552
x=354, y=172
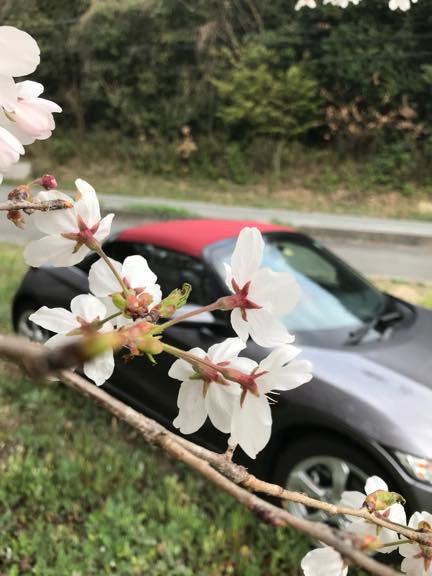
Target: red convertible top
x=192, y=236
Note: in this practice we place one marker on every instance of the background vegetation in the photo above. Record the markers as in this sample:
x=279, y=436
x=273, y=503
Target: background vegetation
x=261, y=86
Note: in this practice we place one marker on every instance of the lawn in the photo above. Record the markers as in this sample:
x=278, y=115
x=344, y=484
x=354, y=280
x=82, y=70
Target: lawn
x=82, y=494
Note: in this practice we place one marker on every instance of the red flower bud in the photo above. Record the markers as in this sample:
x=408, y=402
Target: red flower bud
x=48, y=182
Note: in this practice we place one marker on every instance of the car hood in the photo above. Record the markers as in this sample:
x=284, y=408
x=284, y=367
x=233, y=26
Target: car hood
x=384, y=389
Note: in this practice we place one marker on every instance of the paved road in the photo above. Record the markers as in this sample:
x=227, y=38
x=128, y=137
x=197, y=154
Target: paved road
x=372, y=258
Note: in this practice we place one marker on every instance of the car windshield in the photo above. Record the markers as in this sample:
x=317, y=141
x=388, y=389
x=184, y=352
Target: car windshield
x=333, y=296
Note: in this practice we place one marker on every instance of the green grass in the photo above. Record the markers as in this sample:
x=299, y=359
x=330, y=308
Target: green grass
x=160, y=211
x=82, y=494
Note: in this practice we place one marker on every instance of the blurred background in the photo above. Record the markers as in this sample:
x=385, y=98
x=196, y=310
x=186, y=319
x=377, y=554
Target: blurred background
x=239, y=100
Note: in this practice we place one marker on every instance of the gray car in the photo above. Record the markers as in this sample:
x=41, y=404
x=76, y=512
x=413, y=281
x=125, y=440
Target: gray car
x=368, y=409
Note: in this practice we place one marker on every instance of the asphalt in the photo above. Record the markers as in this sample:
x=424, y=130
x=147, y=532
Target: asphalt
x=379, y=247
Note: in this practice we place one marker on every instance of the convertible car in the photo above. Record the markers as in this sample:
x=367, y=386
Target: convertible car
x=368, y=409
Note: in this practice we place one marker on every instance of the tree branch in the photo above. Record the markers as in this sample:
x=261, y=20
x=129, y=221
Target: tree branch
x=44, y=206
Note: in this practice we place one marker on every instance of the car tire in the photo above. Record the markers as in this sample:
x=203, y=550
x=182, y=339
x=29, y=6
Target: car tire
x=324, y=466
x=25, y=327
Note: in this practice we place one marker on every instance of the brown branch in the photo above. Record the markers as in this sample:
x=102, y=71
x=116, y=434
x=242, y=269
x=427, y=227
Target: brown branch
x=44, y=206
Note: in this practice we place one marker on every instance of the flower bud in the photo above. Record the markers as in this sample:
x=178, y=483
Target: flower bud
x=48, y=182
x=16, y=217
x=150, y=345
x=381, y=499
x=175, y=300
x=118, y=300
x=20, y=193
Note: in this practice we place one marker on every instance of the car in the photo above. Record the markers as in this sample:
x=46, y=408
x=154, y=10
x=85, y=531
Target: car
x=368, y=408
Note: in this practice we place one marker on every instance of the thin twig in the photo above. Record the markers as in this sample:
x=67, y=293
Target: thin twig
x=44, y=206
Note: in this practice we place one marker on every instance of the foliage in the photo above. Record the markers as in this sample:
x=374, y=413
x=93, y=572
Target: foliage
x=130, y=74
x=261, y=101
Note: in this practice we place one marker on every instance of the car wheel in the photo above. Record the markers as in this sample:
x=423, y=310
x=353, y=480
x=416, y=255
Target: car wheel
x=25, y=327
x=324, y=467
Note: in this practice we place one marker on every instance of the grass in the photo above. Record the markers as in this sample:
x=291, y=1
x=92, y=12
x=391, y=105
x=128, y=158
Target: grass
x=82, y=494
x=160, y=211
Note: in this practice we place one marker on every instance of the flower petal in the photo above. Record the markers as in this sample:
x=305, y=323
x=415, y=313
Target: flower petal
x=104, y=228
x=247, y=255
x=100, y=368
x=287, y=378
x=19, y=52
x=413, y=566
x=58, y=320
x=192, y=413
x=375, y=483
x=219, y=403
x=226, y=350
x=276, y=291
x=54, y=250
x=323, y=562
x=239, y=325
x=181, y=370
x=87, y=205
x=279, y=357
x=88, y=307
x=102, y=281
x=251, y=424
x=352, y=499
x=266, y=330
x=58, y=221
x=8, y=92
x=138, y=273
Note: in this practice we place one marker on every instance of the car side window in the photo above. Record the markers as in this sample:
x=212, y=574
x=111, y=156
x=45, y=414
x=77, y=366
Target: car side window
x=174, y=268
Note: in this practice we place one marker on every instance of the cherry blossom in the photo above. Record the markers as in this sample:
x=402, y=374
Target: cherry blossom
x=72, y=232
x=201, y=393
x=403, y=5
x=261, y=296
x=10, y=150
x=323, y=562
x=417, y=558
x=19, y=56
x=394, y=513
x=144, y=292
x=30, y=118
x=251, y=419
x=85, y=310
x=305, y=3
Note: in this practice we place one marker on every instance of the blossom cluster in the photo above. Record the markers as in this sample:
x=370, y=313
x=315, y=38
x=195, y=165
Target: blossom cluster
x=403, y=5
x=233, y=391
x=24, y=116
x=383, y=504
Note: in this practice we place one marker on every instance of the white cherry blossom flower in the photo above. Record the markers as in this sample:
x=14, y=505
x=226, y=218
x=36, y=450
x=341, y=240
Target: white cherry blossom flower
x=252, y=419
x=10, y=150
x=323, y=562
x=69, y=231
x=135, y=272
x=417, y=558
x=261, y=296
x=200, y=396
x=85, y=309
x=305, y=3
x=403, y=5
x=394, y=513
x=30, y=118
x=19, y=56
